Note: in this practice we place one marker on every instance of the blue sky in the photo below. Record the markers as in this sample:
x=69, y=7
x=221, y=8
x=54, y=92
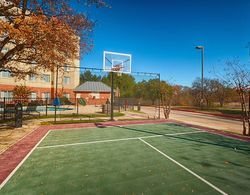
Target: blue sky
x=161, y=35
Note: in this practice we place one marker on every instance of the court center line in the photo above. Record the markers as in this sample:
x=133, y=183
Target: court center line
x=20, y=164
x=117, y=140
x=182, y=166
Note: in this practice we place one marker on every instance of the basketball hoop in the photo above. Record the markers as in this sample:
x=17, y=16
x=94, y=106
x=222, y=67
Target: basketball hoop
x=117, y=62
x=117, y=68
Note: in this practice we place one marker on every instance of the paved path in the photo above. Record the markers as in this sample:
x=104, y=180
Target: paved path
x=205, y=120
x=215, y=122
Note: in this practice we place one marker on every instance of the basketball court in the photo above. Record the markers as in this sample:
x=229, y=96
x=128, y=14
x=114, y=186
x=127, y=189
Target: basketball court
x=126, y=157
x=160, y=158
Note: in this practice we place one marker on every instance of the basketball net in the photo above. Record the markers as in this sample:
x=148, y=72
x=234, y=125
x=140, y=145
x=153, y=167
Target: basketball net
x=117, y=68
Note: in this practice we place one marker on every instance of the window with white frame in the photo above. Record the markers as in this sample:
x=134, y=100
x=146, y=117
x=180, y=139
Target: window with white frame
x=33, y=96
x=46, y=78
x=67, y=68
x=5, y=74
x=66, y=80
x=67, y=95
x=32, y=77
x=34, y=64
x=78, y=95
x=5, y=50
x=95, y=95
x=6, y=94
x=46, y=95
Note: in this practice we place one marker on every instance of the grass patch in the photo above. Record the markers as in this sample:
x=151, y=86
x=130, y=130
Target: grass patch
x=96, y=115
x=227, y=111
x=137, y=111
x=133, y=119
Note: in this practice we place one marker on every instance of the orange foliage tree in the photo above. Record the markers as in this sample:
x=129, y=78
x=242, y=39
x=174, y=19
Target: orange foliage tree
x=46, y=33
x=21, y=93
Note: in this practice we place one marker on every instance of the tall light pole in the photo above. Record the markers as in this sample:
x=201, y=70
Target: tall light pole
x=248, y=46
x=202, y=72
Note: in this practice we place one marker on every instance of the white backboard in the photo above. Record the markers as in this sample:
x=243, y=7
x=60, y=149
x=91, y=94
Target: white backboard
x=117, y=62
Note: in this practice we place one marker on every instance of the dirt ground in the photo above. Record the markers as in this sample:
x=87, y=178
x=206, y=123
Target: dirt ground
x=10, y=135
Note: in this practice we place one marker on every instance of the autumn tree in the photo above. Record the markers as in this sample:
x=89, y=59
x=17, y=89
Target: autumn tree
x=141, y=90
x=21, y=93
x=222, y=92
x=183, y=96
x=237, y=76
x=167, y=93
x=152, y=90
x=42, y=34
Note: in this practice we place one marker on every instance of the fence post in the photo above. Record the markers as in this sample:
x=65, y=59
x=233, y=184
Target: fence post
x=4, y=107
x=46, y=106
x=139, y=106
x=77, y=106
x=119, y=104
x=18, y=115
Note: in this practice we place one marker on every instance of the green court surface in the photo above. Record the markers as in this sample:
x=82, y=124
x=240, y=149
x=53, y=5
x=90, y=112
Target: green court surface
x=138, y=159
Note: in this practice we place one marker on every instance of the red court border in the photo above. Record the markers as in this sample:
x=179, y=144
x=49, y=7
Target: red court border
x=10, y=158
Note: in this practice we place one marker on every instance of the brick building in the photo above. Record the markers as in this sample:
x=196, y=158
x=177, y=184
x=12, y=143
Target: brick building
x=94, y=92
x=43, y=85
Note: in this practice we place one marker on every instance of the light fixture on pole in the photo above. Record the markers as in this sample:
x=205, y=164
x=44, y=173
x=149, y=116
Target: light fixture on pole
x=202, y=72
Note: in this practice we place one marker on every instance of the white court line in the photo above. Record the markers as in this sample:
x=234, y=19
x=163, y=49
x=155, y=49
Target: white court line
x=108, y=126
x=20, y=164
x=182, y=166
x=117, y=140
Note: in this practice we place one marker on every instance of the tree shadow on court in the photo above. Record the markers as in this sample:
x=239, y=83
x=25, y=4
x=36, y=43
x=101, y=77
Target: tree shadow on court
x=219, y=141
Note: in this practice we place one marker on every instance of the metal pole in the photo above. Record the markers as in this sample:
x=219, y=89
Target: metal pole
x=56, y=94
x=4, y=107
x=202, y=76
x=77, y=106
x=112, y=97
x=159, y=93
x=46, y=106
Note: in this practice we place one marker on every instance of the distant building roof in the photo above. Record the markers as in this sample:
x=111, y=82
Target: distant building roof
x=93, y=86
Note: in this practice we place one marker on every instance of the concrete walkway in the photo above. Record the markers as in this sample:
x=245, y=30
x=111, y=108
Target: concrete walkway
x=205, y=120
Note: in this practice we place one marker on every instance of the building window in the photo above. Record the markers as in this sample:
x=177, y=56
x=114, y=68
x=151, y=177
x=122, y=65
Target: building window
x=6, y=94
x=34, y=64
x=46, y=78
x=33, y=96
x=46, y=95
x=95, y=95
x=78, y=95
x=5, y=74
x=5, y=50
x=67, y=68
x=32, y=77
x=67, y=95
x=66, y=80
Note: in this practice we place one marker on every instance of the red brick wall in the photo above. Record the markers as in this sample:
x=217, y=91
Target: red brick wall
x=91, y=101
